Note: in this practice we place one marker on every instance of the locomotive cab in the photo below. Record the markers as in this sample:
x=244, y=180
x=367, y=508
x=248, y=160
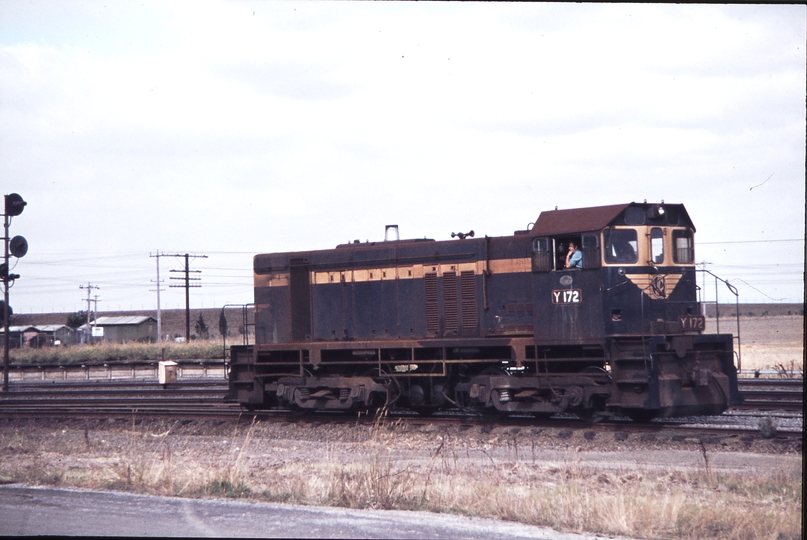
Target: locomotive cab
x=632, y=309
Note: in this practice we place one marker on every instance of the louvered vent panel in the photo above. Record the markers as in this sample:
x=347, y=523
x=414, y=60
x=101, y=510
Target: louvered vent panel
x=468, y=291
x=432, y=317
x=450, y=301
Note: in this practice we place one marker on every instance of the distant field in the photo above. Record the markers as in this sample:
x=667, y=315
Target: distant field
x=766, y=342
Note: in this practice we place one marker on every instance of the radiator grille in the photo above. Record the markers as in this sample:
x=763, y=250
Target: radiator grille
x=450, y=301
x=468, y=293
x=432, y=317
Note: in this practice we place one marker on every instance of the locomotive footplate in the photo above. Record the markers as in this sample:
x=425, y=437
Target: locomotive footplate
x=331, y=393
x=547, y=394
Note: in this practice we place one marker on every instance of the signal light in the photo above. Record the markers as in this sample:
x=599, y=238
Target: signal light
x=18, y=246
x=5, y=276
x=14, y=204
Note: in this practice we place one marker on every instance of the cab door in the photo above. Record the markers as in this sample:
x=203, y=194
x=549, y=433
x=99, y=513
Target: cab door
x=568, y=302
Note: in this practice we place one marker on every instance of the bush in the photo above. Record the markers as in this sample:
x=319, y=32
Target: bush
x=767, y=427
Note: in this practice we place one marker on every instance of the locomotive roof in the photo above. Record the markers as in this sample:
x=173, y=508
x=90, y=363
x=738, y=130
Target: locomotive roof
x=578, y=220
x=551, y=223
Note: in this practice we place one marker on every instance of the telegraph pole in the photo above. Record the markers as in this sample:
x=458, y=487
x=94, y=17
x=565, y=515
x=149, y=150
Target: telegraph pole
x=702, y=290
x=159, y=312
x=188, y=286
x=89, y=288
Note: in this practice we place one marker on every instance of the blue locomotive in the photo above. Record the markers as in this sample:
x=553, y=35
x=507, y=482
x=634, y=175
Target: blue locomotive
x=592, y=311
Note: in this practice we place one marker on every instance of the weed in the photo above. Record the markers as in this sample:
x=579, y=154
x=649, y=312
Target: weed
x=767, y=427
x=790, y=371
x=381, y=485
x=225, y=488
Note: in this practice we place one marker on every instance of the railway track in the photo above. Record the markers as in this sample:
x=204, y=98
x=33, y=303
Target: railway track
x=194, y=398
x=203, y=398
x=772, y=394
x=760, y=394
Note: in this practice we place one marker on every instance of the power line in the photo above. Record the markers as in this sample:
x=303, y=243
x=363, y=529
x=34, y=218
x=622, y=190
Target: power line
x=751, y=241
x=188, y=286
x=89, y=288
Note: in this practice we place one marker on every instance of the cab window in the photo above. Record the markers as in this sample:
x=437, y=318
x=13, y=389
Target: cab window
x=656, y=245
x=550, y=253
x=542, y=259
x=562, y=244
x=620, y=246
x=683, y=247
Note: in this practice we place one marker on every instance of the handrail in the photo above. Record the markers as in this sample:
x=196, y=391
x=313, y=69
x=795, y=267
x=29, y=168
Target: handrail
x=736, y=294
x=244, y=321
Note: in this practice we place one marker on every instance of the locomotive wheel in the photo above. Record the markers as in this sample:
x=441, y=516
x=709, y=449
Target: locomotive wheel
x=491, y=414
x=594, y=413
x=296, y=412
x=380, y=376
x=641, y=416
x=591, y=416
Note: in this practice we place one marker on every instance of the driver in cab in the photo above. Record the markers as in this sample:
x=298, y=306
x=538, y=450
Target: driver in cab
x=574, y=259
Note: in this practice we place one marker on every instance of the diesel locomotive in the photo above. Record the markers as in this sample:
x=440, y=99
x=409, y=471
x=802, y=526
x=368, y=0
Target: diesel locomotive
x=493, y=325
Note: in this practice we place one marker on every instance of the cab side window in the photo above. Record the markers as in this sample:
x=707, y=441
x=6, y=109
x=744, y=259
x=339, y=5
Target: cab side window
x=591, y=251
x=563, y=250
x=542, y=256
x=620, y=246
x=683, y=247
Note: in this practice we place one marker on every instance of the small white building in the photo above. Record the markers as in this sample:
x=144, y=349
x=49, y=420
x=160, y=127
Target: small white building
x=125, y=329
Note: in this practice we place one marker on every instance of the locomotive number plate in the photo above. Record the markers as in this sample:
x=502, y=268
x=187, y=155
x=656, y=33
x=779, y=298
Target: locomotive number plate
x=692, y=323
x=567, y=296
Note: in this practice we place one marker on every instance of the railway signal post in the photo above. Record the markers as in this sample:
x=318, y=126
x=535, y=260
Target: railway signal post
x=18, y=247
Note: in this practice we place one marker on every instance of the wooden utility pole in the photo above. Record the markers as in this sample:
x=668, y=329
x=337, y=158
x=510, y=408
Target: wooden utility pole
x=159, y=312
x=89, y=288
x=188, y=286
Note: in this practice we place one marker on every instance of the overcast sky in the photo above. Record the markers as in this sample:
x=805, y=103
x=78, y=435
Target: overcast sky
x=228, y=129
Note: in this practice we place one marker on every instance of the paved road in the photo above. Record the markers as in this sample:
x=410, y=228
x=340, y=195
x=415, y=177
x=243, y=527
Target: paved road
x=27, y=511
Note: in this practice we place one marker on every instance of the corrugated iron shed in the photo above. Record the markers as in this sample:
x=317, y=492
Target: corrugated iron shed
x=18, y=329
x=122, y=321
x=50, y=327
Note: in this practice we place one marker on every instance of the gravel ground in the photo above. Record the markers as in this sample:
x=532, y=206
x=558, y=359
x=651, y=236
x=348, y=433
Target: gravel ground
x=275, y=442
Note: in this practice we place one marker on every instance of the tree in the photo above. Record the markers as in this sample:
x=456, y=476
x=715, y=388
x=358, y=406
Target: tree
x=74, y=320
x=223, y=330
x=201, y=327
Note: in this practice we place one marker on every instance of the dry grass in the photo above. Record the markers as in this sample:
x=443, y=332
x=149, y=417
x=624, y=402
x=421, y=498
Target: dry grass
x=118, y=352
x=766, y=342
x=571, y=496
